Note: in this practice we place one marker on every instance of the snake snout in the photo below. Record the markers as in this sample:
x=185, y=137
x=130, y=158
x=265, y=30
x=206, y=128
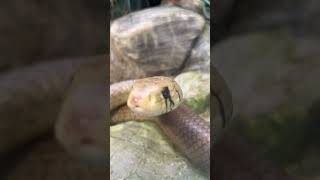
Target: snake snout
x=135, y=101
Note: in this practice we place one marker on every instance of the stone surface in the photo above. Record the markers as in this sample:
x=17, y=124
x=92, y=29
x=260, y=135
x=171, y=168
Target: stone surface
x=141, y=150
x=196, y=89
x=199, y=59
x=158, y=39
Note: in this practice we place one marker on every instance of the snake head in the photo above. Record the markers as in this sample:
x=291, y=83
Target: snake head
x=154, y=96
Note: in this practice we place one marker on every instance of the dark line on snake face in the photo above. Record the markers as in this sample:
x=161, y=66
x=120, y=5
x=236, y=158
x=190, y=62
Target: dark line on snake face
x=167, y=97
x=178, y=94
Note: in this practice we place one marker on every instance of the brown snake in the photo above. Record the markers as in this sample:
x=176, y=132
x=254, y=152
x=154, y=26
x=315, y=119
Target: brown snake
x=189, y=132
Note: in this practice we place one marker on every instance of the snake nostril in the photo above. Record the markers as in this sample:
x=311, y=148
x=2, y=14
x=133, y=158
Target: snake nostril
x=135, y=101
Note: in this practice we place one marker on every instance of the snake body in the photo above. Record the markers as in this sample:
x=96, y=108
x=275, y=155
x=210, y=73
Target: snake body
x=189, y=132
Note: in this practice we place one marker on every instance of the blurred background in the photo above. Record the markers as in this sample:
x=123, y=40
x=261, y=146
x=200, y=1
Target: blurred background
x=269, y=54
x=36, y=31
x=267, y=51
x=41, y=32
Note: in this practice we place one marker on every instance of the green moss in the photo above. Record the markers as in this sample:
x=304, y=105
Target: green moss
x=199, y=104
x=196, y=90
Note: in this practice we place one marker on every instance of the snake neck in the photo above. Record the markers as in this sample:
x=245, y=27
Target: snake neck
x=190, y=133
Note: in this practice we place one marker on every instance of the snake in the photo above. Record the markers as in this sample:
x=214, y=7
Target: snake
x=160, y=99
x=147, y=39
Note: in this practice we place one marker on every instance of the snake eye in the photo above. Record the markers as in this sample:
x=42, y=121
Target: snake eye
x=166, y=93
x=167, y=97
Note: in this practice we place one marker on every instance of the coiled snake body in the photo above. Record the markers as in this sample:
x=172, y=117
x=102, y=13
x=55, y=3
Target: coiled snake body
x=158, y=99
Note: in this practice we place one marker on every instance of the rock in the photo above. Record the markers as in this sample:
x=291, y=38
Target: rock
x=199, y=59
x=142, y=150
x=121, y=69
x=196, y=90
x=156, y=38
